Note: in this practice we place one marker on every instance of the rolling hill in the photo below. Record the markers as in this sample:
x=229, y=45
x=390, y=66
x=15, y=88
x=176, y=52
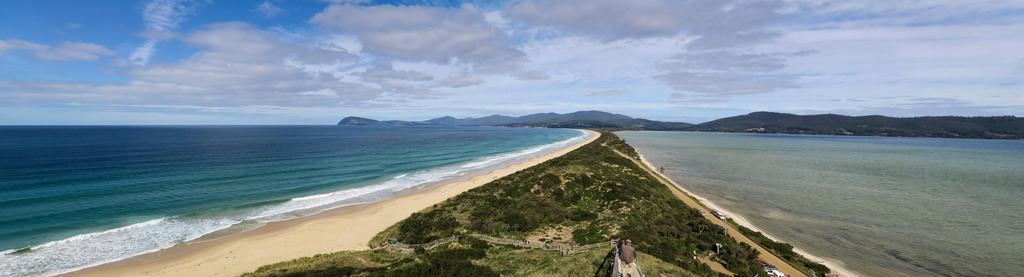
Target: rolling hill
x=997, y=127
x=580, y=119
x=993, y=127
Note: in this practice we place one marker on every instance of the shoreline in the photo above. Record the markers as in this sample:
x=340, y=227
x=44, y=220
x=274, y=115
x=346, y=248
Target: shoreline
x=348, y=227
x=835, y=265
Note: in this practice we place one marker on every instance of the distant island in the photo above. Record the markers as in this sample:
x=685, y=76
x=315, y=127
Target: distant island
x=580, y=119
x=992, y=127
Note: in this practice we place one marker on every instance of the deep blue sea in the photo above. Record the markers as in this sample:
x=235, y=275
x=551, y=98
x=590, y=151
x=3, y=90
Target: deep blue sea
x=79, y=196
x=881, y=206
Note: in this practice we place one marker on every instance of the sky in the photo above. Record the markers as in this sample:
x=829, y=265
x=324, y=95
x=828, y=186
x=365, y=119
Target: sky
x=313, y=62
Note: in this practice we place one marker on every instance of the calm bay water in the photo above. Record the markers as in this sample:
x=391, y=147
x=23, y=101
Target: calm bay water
x=882, y=206
x=78, y=196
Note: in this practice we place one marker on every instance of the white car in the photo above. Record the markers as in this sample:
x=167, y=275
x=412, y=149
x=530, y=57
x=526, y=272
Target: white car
x=719, y=215
x=773, y=271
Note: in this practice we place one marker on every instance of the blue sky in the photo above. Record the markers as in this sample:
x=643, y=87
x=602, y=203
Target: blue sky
x=313, y=62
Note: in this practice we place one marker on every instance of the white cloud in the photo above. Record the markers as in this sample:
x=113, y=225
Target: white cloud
x=9, y=45
x=321, y=92
x=410, y=83
x=236, y=65
x=350, y=44
x=80, y=51
x=162, y=18
x=239, y=63
x=721, y=83
x=587, y=61
x=888, y=55
x=650, y=57
x=268, y=9
x=382, y=72
x=724, y=73
x=905, y=11
x=431, y=34
x=714, y=23
x=141, y=54
x=606, y=93
x=461, y=80
x=166, y=15
x=530, y=75
x=66, y=51
x=716, y=39
x=973, y=65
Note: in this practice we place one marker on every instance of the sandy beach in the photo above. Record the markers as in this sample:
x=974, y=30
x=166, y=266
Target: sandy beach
x=345, y=228
x=834, y=265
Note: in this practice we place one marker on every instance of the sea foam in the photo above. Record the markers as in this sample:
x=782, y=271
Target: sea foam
x=91, y=249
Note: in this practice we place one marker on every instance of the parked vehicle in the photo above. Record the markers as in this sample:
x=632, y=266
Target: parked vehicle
x=773, y=271
x=719, y=215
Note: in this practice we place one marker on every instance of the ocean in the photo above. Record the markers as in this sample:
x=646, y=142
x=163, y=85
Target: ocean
x=881, y=206
x=72, y=197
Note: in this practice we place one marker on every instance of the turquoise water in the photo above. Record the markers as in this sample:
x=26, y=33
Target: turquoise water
x=882, y=206
x=80, y=196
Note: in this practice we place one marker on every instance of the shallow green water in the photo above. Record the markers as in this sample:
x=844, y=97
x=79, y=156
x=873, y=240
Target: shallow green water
x=881, y=206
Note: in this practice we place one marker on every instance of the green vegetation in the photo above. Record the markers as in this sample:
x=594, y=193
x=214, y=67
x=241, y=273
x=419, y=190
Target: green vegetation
x=467, y=257
x=456, y=260
x=510, y=261
x=620, y=145
x=587, y=196
x=996, y=127
x=591, y=193
x=335, y=264
x=783, y=250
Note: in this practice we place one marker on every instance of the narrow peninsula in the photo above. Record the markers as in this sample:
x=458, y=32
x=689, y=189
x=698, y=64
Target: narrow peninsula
x=559, y=218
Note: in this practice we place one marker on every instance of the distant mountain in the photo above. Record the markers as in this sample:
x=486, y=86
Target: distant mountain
x=581, y=119
x=998, y=127
x=362, y=121
x=490, y=120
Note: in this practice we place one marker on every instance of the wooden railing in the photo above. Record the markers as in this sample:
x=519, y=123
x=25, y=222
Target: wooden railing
x=564, y=249
x=394, y=246
x=616, y=267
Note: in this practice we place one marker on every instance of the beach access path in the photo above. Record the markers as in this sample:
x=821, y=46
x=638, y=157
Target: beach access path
x=764, y=255
x=346, y=228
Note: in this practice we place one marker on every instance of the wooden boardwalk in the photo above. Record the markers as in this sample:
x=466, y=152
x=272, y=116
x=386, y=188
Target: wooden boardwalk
x=564, y=249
